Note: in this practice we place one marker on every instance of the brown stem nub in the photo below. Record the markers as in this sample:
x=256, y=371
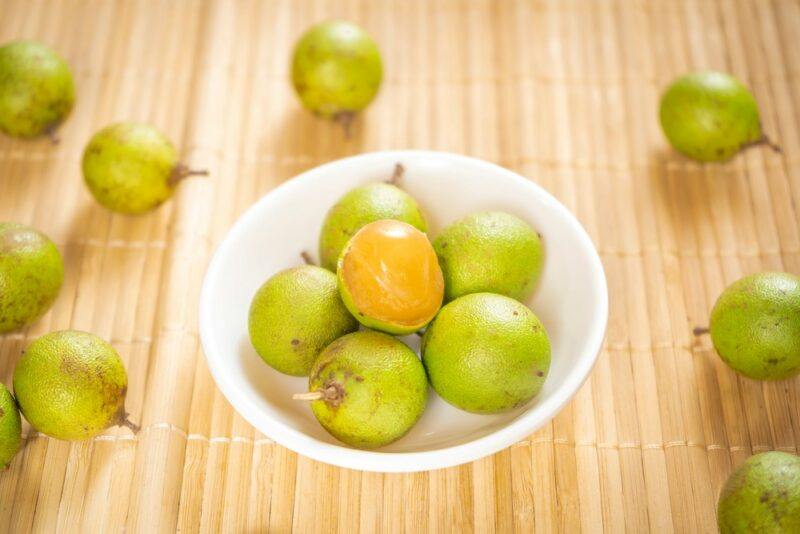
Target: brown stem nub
x=345, y=119
x=130, y=424
x=307, y=258
x=310, y=396
x=182, y=171
x=52, y=135
x=700, y=330
x=764, y=140
x=397, y=174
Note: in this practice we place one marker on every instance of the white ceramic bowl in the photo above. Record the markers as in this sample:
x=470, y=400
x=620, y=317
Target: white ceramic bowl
x=571, y=300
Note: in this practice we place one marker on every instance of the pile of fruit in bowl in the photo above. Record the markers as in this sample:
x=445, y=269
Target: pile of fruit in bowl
x=482, y=350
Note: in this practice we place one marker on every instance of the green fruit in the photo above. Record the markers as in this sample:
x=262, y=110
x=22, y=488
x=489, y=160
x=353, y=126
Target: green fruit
x=71, y=385
x=31, y=273
x=489, y=252
x=710, y=116
x=762, y=495
x=367, y=389
x=363, y=205
x=10, y=427
x=36, y=89
x=486, y=353
x=336, y=70
x=132, y=168
x=295, y=315
x=755, y=326
x=389, y=277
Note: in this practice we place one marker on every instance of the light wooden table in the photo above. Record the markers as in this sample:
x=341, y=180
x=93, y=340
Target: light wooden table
x=564, y=92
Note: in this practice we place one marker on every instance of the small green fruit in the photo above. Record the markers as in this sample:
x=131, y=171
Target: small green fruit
x=31, y=273
x=367, y=389
x=710, y=116
x=486, y=353
x=296, y=314
x=361, y=206
x=36, y=89
x=336, y=70
x=762, y=495
x=10, y=427
x=389, y=277
x=71, y=385
x=755, y=326
x=489, y=252
x=132, y=168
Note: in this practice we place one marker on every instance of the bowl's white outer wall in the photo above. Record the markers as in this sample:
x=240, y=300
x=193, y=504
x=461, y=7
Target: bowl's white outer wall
x=572, y=294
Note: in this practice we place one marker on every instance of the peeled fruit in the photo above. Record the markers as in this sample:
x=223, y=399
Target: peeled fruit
x=336, y=70
x=762, y=495
x=755, y=326
x=367, y=389
x=36, y=89
x=10, y=427
x=710, y=116
x=295, y=315
x=486, y=353
x=132, y=168
x=363, y=205
x=492, y=252
x=31, y=273
x=71, y=385
x=389, y=277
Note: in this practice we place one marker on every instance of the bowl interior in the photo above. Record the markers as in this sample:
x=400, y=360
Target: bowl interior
x=570, y=298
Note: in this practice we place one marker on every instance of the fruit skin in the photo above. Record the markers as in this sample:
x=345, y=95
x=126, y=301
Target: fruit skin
x=762, y=495
x=376, y=385
x=31, y=274
x=130, y=167
x=755, y=325
x=36, y=89
x=10, y=427
x=336, y=69
x=359, y=207
x=71, y=385
x=486, y=353
x=492, y=252
x=295, y=315
x=709, y=116
x=382, y=325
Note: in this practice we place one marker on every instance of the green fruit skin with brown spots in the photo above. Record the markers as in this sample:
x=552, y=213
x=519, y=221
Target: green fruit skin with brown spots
x=359, y=207
x=336, y=69
x=755, y=326
x=709, y=116
x=486, y=353
x=71, y=385
x=10, y=427
x=130, y=167
x=381, y=389
x=762, y=495
x=31, y=274
x=491, y=252
x=295, y=315
x=36, y=89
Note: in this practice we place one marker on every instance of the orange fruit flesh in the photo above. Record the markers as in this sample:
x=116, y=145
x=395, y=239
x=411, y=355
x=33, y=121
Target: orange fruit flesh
x=392, y=273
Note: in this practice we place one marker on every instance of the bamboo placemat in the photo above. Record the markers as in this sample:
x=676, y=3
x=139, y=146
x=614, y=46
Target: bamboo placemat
x=565, y=92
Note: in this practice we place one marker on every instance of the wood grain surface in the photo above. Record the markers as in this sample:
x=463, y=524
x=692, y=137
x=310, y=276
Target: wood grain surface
x=564, y=92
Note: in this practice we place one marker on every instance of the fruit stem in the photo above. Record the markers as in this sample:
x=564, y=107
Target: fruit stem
x=182, y=171
x=52, y=135
x=397, y=174
x=130, y=424
x=700, y=330
x=310, y=396
x=764, y=140
x=307, y=258
x=345, y=119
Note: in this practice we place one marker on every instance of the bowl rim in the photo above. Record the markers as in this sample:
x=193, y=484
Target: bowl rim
x=396, y=462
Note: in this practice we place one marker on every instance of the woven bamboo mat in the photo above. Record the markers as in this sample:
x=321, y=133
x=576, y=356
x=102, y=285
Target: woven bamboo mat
x=564, y=92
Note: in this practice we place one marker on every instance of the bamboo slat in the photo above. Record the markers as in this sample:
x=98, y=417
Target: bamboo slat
x=563, y=91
